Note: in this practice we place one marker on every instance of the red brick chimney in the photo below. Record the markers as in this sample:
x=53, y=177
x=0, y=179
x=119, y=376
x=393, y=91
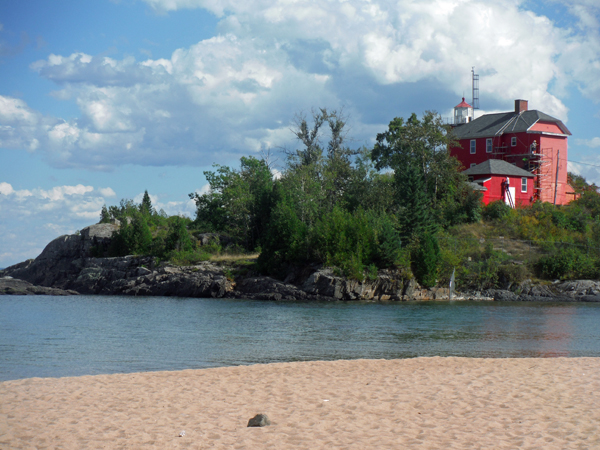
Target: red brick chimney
x=520, y=106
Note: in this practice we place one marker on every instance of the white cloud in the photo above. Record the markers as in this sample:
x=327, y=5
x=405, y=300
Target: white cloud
x=107, y=192
x=6, y=188
x=592, y=143
x=59, y=192
x=237, y=92
x=203, y=190
x=40, y=215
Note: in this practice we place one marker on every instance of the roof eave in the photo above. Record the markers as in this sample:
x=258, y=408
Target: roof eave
x=548, y=133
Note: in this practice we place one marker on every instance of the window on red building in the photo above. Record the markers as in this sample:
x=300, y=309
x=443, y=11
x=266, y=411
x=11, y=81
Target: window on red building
x=513, y=141
x=473, y=143
x=488, y=145
x=523, y=184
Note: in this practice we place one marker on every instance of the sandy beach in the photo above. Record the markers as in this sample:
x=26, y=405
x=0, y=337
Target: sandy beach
x=425, y=403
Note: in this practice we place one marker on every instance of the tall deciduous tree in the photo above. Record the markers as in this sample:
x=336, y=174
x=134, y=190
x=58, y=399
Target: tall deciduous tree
x=238, y=201
x=425, y=176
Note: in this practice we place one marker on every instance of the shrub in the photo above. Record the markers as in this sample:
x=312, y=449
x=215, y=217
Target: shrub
x=509, y=274
x=568, y=263
x=496, y=210
x=357, y=242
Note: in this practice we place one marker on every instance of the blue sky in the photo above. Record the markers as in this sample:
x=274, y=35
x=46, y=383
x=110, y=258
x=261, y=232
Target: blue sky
x=100, y=99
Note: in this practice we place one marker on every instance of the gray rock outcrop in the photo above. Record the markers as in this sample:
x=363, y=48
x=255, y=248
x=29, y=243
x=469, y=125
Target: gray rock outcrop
x=69, y=264
x=13, y=286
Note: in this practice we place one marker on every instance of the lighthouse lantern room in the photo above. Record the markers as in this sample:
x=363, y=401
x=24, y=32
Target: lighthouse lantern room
x=463, y=113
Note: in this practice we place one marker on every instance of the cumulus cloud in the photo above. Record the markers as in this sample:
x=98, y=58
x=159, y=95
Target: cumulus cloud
x=107, y=192
x=40, y=215
x=236, y=93
x=6, y=189
x=592, y=143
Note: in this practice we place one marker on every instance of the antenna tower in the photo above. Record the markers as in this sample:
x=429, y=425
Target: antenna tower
x=475, y=98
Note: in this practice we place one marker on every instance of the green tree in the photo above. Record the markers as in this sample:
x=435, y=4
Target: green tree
x=426, y=178
x=146, y=205
x=426, y=261
x=141, y=238
x=238, y=202
x=580, y=184
x=285, y=241
x=104, y=215
x=132, y=237
x=178, y=237
x=367, y=188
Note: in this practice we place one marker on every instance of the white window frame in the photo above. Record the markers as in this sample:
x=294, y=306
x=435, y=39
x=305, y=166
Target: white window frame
x=488, y=145
x=524, y=184
x=473, y=147
x=513, y=141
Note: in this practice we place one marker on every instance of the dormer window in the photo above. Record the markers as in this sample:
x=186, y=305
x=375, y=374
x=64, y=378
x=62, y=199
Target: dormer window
x=513, y=141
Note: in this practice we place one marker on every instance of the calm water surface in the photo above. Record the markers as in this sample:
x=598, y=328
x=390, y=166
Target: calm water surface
x=45, y=336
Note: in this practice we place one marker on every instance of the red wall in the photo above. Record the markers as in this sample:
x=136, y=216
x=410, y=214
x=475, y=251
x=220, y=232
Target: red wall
x=549, y=145
x=495, y=190
x=547, y=127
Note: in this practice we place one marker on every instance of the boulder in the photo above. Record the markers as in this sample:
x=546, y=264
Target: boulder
x=13, y=286
x=259, y=420
x=387, y=286
x=267, y=288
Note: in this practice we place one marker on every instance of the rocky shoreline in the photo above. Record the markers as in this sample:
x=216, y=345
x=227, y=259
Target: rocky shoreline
x=66, y=267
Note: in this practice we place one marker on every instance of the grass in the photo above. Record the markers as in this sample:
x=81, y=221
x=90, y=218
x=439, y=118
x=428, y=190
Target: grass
x=235, y=258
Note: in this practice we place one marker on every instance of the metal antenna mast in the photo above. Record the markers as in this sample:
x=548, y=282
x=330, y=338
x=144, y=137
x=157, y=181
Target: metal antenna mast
x=475, y=97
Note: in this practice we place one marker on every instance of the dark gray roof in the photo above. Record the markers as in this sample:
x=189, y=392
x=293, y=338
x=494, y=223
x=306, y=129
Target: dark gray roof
x=490, y=125
x=497, y=167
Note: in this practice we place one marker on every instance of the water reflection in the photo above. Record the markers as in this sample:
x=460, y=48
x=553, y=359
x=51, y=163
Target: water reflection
x=53, y=336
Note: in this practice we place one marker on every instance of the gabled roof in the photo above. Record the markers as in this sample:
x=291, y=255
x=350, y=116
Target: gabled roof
x=497, y=167
x=490, y=125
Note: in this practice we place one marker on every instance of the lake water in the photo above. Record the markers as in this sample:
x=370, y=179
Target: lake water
x=45, y=336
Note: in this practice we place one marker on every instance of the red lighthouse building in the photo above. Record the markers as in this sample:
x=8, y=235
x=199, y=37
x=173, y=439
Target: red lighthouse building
x=529, y=140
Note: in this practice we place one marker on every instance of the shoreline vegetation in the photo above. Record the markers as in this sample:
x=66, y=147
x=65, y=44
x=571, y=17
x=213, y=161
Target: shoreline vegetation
x=389, y=223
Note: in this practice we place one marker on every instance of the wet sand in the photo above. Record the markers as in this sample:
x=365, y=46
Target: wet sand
x=425, y=403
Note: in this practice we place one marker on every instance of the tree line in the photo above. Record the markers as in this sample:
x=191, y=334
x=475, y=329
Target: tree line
x=402, y=205
x=358, y=210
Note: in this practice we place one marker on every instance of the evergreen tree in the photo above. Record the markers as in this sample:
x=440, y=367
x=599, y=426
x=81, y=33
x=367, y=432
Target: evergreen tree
x=146, y=205
x=178, y=237
x=140, y=236
x=414, y=205
x=426, y=260
x=104, y=215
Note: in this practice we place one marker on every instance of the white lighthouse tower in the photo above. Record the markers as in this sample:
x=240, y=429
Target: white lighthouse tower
x=463, y=113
